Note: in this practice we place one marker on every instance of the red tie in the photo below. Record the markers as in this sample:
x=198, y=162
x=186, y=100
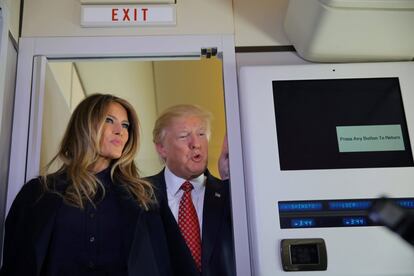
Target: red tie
x=188, y=223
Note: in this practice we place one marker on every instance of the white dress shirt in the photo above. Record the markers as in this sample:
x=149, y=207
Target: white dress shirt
x=174, y=194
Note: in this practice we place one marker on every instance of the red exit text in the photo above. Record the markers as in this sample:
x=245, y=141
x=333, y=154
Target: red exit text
x=129, y=15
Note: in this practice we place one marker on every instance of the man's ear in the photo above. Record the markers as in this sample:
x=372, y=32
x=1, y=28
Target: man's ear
x=162, y=151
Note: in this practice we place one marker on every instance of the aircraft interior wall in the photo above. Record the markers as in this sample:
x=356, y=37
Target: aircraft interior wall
x=60, y=62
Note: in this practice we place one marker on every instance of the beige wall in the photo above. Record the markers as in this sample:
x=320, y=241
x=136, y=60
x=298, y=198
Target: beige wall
x=254, y=23
x=62, y=18
x=56, y=114
x=260, y=23
x=62, y=73
x=69, y=83
x=14, y=17
x=63, y=92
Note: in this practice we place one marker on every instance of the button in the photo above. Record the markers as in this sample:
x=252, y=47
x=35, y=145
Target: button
x=92, y=239
x=92, y=215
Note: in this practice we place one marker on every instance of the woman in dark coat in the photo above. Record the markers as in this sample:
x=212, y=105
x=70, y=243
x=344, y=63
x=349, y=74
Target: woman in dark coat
x=94, y=215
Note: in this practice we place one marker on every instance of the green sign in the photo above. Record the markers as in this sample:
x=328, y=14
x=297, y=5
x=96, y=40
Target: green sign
x=370, y=138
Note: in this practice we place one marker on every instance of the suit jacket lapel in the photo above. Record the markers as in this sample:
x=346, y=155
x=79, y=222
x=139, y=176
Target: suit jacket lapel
x=181, y=258
x=214, y=199
x=141, y=241
x=160, y=188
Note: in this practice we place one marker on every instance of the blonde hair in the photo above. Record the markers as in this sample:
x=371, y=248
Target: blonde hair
x=79, y=151
x=179, y=111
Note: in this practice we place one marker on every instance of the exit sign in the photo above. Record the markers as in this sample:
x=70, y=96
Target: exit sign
x=127, y=15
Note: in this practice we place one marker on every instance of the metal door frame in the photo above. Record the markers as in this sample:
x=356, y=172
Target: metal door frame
x=24, y=148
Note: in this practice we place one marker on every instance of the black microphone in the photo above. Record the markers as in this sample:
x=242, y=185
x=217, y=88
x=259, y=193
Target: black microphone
x=386, y=212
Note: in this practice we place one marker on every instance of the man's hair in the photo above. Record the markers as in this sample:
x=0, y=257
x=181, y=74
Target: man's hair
x=80, y=150
x=179, y=111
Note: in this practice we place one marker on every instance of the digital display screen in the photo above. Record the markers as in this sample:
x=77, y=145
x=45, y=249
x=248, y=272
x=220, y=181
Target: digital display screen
x=406, y=203
x=300, y=206
x=304, y=254
x=331, y=212
x=341, y=123
x=350, y=205
x=354, y=221
x=303, y=223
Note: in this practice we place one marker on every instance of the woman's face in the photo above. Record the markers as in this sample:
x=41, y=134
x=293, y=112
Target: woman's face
x=114, y=135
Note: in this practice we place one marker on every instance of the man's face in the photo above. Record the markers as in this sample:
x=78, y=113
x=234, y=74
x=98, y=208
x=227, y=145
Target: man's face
x=185, y=147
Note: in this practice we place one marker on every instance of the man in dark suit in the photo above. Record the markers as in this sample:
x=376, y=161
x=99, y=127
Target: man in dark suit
x=195, y=205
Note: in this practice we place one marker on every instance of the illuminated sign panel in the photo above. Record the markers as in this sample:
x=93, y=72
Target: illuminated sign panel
x=332, y=212
x=127, y=15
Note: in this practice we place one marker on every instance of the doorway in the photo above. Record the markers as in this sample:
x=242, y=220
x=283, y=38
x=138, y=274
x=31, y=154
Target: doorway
x=168, y=56
x=150, y=86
